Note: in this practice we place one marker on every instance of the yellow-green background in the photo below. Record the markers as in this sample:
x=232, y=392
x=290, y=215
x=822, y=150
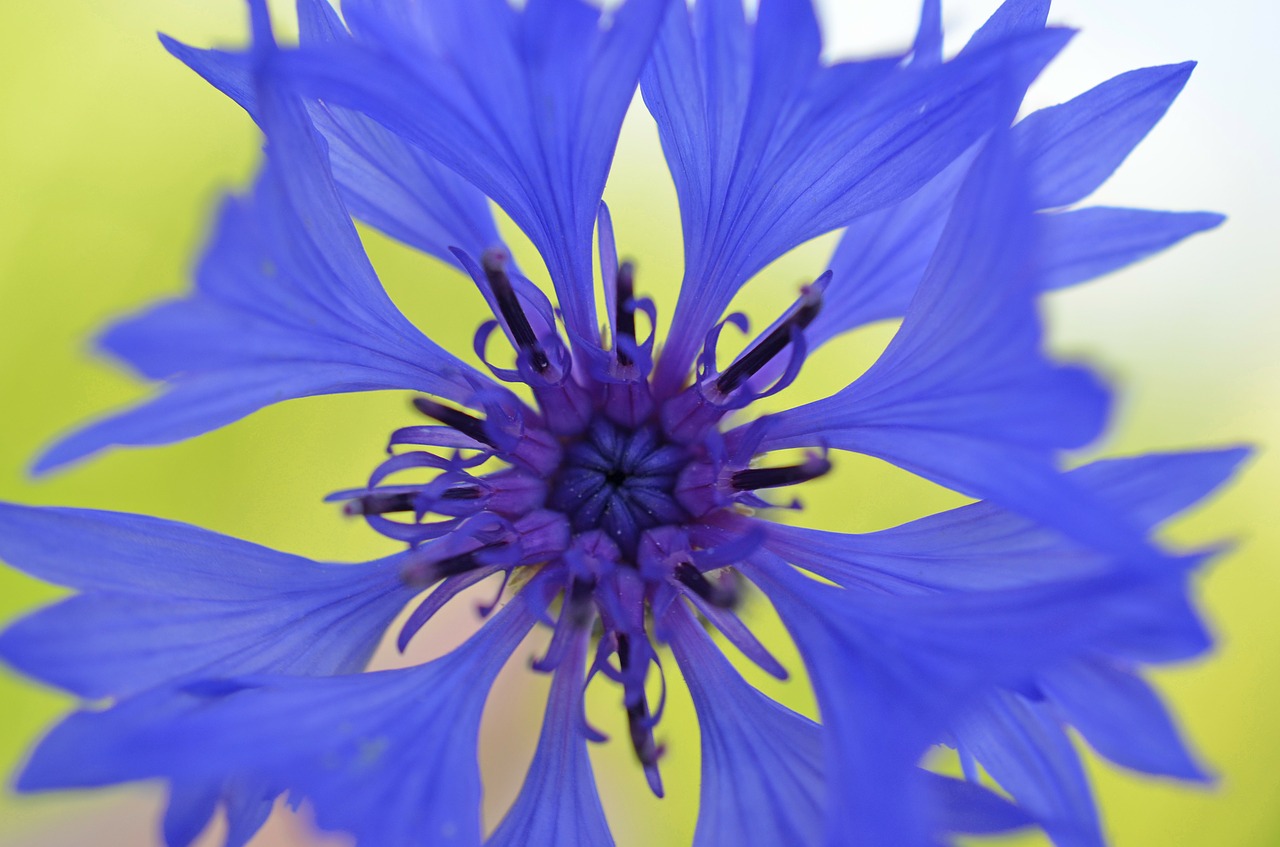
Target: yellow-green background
x=112, y=157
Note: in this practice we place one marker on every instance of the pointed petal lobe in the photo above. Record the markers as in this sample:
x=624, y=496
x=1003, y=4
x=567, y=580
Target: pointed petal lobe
x=558, y=803
x=155, y=591
x=287, y=305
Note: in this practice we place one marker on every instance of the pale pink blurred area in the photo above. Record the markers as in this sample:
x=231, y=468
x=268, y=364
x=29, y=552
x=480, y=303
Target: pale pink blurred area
x=131, y=818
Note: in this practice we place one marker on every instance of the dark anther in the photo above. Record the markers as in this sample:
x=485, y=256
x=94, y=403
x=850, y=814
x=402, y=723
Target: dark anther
x=625, y=306
x=380, y=504
x=578, y=602
x=468, y=425
x=647, y=750
x=764, y=349
x=465, y=562
x=422, y=576
x=624, y=651
x=750, y=480
x=495, y=271
x=721, y=594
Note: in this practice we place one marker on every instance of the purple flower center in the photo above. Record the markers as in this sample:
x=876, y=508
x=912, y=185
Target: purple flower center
x=621, y=481
x=606, y=491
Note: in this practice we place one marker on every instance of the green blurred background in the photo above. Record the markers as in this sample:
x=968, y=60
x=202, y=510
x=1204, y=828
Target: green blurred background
x=112, y=157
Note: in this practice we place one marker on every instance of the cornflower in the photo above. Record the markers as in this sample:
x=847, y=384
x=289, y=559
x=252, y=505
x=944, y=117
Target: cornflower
x=622, y=491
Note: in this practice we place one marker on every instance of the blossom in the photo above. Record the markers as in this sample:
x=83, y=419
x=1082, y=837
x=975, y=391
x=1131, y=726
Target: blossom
x=626, y=508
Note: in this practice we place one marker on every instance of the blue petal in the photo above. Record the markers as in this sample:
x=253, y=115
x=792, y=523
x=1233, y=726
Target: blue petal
x=287, y=305
x=963, y=807
x=231, y=72
x=248, y=804
x=389, y=757
x=383, y=180
x=93, y=749
x=769, y=149
x=1014, y=17
x=892, y=674
x=762, y=780
x=90, y=749
x=762, y=764
x=1069, y=149
x=1030, y=756
x=927, y=49
x=963, y=395
x=1072, y=148
x=155, y=590
x=982, y=546
x=1121, y=717
x=1083, y=244
x=1156, y=486
x=881, y=258
x=192, y=804
x=558, y=804
x=526, y=105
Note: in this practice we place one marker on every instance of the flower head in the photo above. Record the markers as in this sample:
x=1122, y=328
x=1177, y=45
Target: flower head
x=621, y=487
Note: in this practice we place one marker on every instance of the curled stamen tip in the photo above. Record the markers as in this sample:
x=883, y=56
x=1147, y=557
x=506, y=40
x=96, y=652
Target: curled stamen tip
x=817, y=464
x=545, y=664
x=495, y=259
x=652, y=776
x=786, y=331
x=486, y=609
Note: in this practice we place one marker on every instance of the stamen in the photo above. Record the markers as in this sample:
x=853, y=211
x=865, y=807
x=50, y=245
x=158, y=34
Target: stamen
x=764, y=349
x=486, y=609
x=458, y=564
x=468, y=425
x=755, y=478
x=381, y=504
x=721, y=594
x=625, y=318
x=424, y=575
x=495, y=271
x=647, y=750
x=578, y=602
x=624, y=651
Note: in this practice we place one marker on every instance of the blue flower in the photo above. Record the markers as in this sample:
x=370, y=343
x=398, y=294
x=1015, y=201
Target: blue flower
x=624, y=507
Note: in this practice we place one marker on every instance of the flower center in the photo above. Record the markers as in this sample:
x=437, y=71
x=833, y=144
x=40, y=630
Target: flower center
x=607, y=487
x=621, y=481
